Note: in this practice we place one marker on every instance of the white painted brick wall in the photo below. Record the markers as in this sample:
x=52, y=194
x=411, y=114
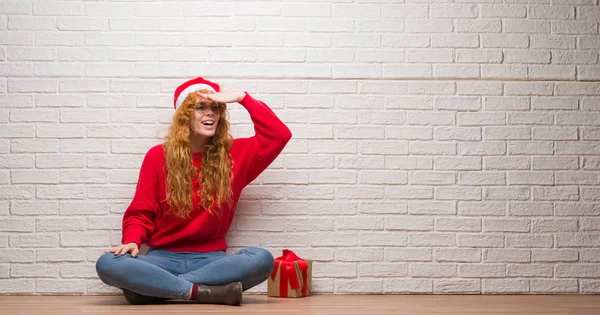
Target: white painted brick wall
x=438, y=147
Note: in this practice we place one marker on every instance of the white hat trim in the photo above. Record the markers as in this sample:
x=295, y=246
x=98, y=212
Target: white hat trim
x=190, y=89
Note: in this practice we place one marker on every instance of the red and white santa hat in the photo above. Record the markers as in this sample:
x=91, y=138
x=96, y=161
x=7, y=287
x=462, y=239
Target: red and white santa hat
x=190, y=86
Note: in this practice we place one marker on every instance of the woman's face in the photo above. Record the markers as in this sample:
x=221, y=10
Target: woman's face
x=206, y=118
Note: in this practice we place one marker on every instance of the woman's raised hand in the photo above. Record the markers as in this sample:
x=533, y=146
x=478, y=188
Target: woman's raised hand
x=125, y=248
x=225, y=96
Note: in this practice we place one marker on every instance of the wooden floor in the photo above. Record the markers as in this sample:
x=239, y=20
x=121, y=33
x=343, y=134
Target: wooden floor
x=316, y=304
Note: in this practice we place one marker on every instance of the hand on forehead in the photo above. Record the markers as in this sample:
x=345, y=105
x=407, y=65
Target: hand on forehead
x=198, y=96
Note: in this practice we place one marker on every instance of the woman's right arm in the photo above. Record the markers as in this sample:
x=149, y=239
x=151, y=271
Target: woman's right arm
x=138, y=219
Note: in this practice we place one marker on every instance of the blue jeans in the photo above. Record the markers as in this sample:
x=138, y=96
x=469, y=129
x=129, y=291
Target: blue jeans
x=170, y=275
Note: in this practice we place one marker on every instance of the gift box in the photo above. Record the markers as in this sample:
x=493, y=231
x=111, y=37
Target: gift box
x=291, y=276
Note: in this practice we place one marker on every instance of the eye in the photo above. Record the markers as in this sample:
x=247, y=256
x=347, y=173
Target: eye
x=215, y=109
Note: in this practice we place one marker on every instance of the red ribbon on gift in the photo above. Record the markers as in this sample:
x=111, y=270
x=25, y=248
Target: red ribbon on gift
x=288, y=272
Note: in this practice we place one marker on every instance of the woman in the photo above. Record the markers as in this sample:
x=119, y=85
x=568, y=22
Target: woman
x=185, y=200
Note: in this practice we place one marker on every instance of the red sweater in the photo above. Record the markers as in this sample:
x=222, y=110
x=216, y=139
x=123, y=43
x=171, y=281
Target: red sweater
x=146, y=219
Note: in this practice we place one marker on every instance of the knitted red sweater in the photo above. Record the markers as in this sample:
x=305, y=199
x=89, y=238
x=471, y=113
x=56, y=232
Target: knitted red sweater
x=146, y=219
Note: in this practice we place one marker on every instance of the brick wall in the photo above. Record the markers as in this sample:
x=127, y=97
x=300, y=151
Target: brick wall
x=447, y=147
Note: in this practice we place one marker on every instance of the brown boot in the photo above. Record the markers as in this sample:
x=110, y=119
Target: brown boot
x=229, y=294
x=138, y=299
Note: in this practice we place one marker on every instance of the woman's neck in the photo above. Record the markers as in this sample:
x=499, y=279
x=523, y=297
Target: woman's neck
x=198, y=143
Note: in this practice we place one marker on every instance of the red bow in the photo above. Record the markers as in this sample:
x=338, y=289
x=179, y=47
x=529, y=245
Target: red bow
x=288, y=272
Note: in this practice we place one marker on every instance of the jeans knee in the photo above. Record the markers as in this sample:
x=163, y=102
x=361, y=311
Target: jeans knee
x=103, y=264
x=106, y=265
x=264, y=259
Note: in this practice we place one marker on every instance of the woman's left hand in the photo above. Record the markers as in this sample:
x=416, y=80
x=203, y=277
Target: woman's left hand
x=225, y=96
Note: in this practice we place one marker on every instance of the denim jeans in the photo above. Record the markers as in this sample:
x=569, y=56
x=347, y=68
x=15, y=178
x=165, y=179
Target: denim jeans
x=167, y=274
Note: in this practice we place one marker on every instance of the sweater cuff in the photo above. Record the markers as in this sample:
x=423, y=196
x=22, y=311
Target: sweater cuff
x=132, y=240
x=134, y=235
x=246, y=98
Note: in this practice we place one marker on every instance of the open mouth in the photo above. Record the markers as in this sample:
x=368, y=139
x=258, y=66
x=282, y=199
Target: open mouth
x=208, y=122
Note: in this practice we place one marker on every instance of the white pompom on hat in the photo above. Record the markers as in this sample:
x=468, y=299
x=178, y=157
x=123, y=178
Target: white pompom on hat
x=190, y=86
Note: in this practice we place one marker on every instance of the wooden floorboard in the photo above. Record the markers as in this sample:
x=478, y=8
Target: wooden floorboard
x=316, y=304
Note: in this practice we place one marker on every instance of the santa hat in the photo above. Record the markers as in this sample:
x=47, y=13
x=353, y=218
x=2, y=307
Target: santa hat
x=190, y=86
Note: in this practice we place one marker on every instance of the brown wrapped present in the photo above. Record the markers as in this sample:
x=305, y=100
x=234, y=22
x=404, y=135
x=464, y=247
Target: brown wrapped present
x=291, y=276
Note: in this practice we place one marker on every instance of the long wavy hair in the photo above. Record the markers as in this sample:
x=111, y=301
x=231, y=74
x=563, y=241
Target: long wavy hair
x=215, y=175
